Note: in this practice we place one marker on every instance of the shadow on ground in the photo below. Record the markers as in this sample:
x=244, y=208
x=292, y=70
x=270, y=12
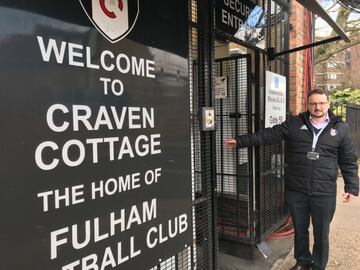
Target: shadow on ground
x=280, y=250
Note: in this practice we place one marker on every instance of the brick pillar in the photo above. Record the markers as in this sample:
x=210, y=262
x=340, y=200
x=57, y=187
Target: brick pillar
x=297, y=38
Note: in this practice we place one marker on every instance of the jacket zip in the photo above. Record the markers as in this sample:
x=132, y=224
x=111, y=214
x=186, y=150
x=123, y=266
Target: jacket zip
x=310, y=128
x=312, y=165
x=311, y=177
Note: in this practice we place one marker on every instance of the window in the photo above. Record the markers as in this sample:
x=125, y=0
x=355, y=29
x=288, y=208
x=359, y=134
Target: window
x=331, y=76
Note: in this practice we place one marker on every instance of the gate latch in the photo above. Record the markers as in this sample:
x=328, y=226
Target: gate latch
x=234, y=115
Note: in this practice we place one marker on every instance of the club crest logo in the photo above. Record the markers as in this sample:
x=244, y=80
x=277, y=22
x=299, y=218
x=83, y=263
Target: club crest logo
x=333, y=132
x=114, y=19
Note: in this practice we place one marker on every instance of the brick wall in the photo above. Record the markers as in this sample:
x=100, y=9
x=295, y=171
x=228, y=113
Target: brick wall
x=354, y=66
x=297, y=38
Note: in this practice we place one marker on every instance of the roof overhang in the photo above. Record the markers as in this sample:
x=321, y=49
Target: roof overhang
x=317, y=9
x=353, y=5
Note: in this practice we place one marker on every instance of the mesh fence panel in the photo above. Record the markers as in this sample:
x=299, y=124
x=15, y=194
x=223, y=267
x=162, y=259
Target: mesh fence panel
x=200, y=58
x=272, y=211
x=202, y=254
x=353, y=119
x=233, y=165
x=235, y=185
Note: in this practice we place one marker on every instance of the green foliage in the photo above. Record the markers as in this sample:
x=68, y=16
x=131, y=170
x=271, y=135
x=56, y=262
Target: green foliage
x=321, y=49
x=345, y=96
x=341, y=97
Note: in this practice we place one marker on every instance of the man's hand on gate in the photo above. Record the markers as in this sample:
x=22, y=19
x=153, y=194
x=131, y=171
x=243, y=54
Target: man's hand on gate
x=230, y=143
x=347, y=197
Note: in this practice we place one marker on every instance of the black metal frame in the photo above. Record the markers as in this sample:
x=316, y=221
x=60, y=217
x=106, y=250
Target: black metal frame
x=272, y=54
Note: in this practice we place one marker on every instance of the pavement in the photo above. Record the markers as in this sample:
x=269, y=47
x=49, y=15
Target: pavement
x=344, y=243
x=280, y=250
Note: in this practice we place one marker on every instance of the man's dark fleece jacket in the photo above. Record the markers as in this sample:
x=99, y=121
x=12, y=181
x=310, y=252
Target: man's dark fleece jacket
x=315, y=177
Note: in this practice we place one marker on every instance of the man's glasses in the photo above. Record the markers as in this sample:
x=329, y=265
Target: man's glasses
x=314, y=104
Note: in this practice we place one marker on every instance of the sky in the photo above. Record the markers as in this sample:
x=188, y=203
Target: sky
x=323, y=29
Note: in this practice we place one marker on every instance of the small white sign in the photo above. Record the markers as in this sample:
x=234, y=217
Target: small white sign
x=275, y=104
x=220, y=87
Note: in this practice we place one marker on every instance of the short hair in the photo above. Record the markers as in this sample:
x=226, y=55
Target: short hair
x=320, y=92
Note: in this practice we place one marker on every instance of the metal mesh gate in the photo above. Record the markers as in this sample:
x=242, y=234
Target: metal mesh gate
x=353, y=119
x=250, y=181
x=272, y=211
x=200, y=61
x=234, y=166
x=203, y=252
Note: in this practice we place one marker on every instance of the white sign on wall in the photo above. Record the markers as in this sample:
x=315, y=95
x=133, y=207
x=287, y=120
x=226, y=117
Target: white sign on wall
x=275, y=94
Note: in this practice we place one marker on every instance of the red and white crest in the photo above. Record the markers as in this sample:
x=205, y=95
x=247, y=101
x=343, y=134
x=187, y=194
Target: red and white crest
x=333, y=132
x=113, y=18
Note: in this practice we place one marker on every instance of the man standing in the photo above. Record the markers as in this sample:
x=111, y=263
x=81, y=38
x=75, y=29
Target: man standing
x=317, y=142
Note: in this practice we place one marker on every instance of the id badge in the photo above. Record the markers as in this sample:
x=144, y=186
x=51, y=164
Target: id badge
x=312, y=155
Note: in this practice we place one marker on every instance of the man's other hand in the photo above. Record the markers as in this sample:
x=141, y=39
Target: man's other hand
x=230, y=143
x=347, y=197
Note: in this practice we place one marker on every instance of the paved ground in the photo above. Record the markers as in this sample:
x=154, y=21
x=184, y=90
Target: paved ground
x=280, y=250
x=344, y=244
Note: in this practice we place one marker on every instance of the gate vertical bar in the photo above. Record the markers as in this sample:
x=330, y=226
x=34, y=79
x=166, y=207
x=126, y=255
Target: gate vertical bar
x=250, y=151
x=237, y=149
x=222, y=152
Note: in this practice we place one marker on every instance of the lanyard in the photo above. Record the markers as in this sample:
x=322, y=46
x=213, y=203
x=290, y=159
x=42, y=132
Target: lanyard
x=316, y=137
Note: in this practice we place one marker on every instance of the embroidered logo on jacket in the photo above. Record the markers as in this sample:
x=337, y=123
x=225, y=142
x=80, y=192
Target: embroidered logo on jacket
x=333, y=132
x=304, y=127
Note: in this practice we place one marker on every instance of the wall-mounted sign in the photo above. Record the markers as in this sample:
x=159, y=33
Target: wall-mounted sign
x=95, y=140
x=221, y=87
x=275, y=95
x=243, y=20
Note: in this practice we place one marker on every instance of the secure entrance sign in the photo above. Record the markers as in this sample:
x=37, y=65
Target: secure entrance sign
x=95, y=140
x=242, y=19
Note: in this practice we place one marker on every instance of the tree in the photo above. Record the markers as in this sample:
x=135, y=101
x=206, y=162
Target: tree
x=342, y=97
x=349, y=23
